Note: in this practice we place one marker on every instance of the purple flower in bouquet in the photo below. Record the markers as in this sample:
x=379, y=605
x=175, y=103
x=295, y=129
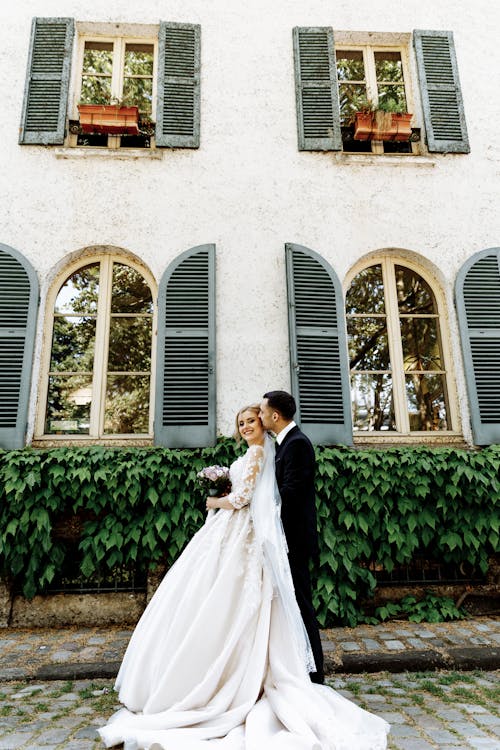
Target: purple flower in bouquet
x=215, y=480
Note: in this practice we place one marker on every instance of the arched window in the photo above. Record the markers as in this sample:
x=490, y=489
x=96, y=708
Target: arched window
x=398, y=371
x=99, y=370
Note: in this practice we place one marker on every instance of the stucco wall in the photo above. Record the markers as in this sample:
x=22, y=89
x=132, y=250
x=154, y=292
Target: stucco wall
x=248, y=188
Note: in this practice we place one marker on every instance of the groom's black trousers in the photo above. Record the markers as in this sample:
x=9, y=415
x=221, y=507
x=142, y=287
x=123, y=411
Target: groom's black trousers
x=303, y=593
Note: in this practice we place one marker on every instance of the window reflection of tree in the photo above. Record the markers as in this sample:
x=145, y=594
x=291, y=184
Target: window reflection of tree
x=374, y=372
x=124, y=363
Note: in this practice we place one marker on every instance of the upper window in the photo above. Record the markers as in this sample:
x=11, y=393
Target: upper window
x=131, y=83
x=118, y=72
x=99, y=375
x=353, y=91
x=399, y=380
x=371, y=80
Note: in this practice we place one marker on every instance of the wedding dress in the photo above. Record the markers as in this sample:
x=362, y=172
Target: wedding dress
x=220, y=658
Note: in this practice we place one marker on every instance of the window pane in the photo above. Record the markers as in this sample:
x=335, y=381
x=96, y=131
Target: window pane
x=130, y=344
x=414, y=294
x=138, y=60
x=426, y=399
x=68, y=405
x=139, y=92
x=372, y=406
x=73, y=344
x=393, y=98
x=127, y=404
x=366, y=293
x=98, y=57
x=388, y=66
x=350, y=66
x=368, y=344
x=96, y=73
x=420, y=344
x=79, y=294
x=130, y=292
x=95, y=90
x=352, y=97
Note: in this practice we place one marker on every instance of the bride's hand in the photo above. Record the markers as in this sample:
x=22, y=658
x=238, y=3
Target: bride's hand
x=212, y=502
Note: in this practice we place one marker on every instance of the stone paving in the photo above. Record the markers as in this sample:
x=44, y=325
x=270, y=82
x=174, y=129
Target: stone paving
x=80, y=653
x=439, y=710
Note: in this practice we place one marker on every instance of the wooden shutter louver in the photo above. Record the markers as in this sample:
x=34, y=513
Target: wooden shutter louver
x=43, y=120
x=18, y=305
x=185, y=403
x=441, y=94
x=318, y=110
x=478, y=307
x=318, y=348
x=178, y=105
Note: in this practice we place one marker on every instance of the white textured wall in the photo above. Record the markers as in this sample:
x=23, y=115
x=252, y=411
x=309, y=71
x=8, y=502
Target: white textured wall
x=248, y=188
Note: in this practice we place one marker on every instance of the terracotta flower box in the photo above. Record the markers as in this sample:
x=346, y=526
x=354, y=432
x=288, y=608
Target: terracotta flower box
x=382, y=126
x=109, y=119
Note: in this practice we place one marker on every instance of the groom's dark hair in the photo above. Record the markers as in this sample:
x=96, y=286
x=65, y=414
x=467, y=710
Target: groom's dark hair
x=282, y=402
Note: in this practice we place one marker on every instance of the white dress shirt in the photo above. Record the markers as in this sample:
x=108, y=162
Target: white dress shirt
x=284, y=432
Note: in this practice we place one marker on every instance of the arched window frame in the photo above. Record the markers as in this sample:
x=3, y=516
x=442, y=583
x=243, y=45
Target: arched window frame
x=102, y=333
x=388, y=260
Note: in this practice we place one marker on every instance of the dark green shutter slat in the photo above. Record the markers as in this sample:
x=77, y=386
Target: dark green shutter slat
x=317, y=97
x=18, y=310
x=440, y=90
x=318, y=347
x=47, y=81
x=185, y=384
x=178, y=104
x=478, y=308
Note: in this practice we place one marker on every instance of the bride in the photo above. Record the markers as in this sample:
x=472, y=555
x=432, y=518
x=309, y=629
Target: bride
x=220, y=658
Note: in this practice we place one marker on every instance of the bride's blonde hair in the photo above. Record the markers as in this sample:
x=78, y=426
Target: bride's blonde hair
x=255, y=408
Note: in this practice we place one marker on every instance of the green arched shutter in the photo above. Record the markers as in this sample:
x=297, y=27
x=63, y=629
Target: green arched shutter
x=318, y=347
x=178, y=103
x=47, y=81
x=440, y=90
x=478, y=308
x=18, y=312
x=185, y=382
x=316, y=87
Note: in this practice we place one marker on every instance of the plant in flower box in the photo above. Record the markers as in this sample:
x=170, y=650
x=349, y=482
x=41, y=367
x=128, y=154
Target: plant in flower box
x=385, y=121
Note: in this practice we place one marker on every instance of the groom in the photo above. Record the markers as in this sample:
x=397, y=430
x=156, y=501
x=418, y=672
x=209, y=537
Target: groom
x=295, y=465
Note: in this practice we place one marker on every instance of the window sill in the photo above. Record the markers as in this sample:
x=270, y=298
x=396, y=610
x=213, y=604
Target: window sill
x=68, y=441
x=84, y=152
x=385, y=160
x=381, y=439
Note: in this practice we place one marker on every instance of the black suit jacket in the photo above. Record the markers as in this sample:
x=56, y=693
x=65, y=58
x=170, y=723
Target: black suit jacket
x=295, y=468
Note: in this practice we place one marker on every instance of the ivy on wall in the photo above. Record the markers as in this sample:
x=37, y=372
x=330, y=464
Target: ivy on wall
x=142, y=505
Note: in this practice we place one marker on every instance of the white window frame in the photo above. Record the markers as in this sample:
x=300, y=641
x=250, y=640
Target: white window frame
x=119, y=41
x=368, y=50
x=388, y=261
x=96, y=430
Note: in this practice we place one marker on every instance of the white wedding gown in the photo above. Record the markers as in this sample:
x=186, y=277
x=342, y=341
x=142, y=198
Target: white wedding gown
x=212, y=664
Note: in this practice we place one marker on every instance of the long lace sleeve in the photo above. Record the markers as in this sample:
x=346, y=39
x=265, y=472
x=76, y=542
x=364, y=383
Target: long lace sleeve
x=242, y=494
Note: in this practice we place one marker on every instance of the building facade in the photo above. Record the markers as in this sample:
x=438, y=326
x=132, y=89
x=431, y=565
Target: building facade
x=244, y=230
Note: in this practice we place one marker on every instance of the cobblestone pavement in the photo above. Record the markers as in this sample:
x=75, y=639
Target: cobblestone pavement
x=80, y=653
x=445, y=710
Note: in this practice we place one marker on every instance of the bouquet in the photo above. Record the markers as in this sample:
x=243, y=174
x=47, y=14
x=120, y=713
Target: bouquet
x=215, y=480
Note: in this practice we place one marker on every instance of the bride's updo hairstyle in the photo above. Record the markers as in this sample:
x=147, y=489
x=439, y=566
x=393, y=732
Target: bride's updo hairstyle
x=255, y=408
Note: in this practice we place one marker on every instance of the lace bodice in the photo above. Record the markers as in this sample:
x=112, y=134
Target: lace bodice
x=244, y=473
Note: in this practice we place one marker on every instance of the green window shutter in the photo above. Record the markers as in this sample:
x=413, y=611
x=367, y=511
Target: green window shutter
x=316, y=89
x=45, y=103
x=442, y=103
x=185, y=379
x=18, y=311
x=318, y=347
x=478, y=308
x=178, y=103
